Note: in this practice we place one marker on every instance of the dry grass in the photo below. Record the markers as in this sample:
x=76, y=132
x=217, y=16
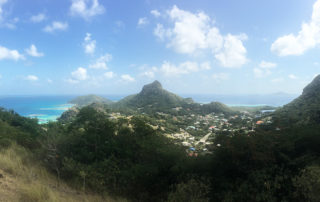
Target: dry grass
x=25, y=180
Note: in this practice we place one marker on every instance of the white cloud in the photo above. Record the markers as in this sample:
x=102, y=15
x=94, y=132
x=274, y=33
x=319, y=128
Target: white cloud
x=127, y=78
x=206, y=66
x=7, y=23
x=31, y=78
x=142, y=22
x=193, y=32
x=2, y=2
x=79, y=75
x=148, y=74
x=109, y=75
x=56, y=26
x=101, y=63
x=307, y=38
x=233, y=53
x=89, y=44
x=292, y=76
x=161, y=32
x=155, y=13
x=49, y=81
x=8, y=54
x=38, y=18
x=264, y=69
x=32, y=51
x=86, y=8
x=169, y=69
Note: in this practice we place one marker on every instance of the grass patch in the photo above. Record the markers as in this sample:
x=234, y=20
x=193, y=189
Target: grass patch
x=30, y=182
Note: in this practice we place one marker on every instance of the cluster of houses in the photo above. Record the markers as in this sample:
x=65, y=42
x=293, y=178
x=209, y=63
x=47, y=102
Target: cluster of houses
x=197, y=131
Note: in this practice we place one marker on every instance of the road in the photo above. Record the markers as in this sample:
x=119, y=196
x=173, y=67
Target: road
x=204, y=139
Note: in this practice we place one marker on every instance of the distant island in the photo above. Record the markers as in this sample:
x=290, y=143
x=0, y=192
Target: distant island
x=89, y=99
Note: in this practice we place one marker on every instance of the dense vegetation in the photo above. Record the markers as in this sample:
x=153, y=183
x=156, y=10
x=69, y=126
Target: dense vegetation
x=127, y=157
x=130, y=159
x=152, y=98
x=303, y=110
x=89, y=99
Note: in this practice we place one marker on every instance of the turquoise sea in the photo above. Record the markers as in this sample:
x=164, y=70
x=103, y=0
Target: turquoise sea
x=44, y=108
x=49, y=108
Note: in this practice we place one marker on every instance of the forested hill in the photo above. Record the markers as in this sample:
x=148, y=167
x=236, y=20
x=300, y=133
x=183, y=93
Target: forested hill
x=153, y=98
x=303, y=110
x=153, y=94
x=89, y=99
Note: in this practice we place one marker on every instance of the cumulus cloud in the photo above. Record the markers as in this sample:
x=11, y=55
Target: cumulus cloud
x=31, y=78
x=80, y=74
x=148, y=74
x=109, y=75
x=233, y=53
x=169, y=69
x=127, y=78
x=8, y=54
x=161, y=32
x=7, y=23
x=155, y=13
x=38, y=18
x=2, y=2
x=89, y=44
x=307, y=38
x=56, y=26
x=194, y=32
x=101, y=63
x=32, y=51
x=142, y=22
x=86, y=8
x=264, y=69
x=292, y=76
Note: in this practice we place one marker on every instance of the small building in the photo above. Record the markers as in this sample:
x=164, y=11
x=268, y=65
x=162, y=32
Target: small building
x=259, y=122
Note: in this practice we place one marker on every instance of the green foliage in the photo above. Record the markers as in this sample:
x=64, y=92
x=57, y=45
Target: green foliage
x=191, y=191
x=305, y=110
x=89, y=99
x=15, y=128
x=153, y=98
x=134, y=161
x=308, y=184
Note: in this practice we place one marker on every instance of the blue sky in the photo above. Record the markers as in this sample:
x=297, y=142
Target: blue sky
x=191, y=47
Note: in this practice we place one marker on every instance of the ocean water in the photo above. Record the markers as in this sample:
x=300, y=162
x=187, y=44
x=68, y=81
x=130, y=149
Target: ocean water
x=276, y=100
x=49, y=108
x=44, y=108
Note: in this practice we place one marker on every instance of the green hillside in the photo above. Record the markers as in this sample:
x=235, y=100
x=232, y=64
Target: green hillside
x=89, y=99
x=153, y=98
x=303, y=110
x=153, y=94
